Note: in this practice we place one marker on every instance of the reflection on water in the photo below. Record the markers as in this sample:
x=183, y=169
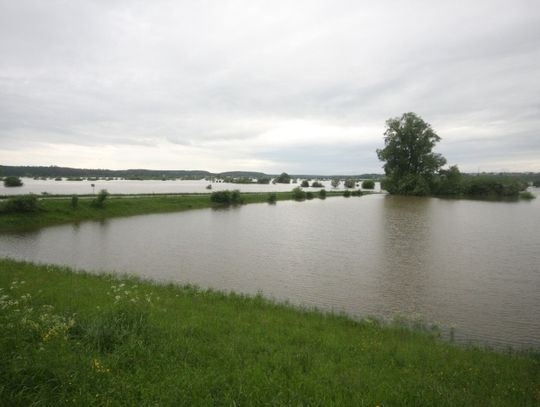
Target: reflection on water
x=472, y=264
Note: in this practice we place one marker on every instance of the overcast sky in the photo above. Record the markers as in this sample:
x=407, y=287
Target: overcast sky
x=302, y=87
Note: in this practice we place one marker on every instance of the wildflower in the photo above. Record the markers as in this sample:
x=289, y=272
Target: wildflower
x=98, y=367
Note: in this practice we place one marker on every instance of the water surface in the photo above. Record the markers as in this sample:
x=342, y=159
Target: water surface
x=470, y=264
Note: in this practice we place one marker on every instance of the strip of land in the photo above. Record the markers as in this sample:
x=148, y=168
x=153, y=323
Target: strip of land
x=81, y=339
x=58, y=210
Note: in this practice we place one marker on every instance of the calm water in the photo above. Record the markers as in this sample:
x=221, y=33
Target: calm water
x=143, y=187
x=470, y=264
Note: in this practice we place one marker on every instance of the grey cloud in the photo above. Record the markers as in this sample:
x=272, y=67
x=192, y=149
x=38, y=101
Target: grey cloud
x=201, y=75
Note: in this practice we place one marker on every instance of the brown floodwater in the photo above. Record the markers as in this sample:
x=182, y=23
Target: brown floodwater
x=470, y=265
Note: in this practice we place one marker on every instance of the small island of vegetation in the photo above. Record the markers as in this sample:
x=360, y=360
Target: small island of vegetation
x=412, y=168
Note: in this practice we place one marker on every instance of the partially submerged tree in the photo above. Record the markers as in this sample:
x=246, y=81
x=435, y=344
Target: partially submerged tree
x=349, y=183
x=410, y=163
x=283, y=178
x=12, y=182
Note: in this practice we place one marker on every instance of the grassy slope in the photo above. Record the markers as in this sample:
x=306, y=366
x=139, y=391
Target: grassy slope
x=58, y=210
x=196, y=347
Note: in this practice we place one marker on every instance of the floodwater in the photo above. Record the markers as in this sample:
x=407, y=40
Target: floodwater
x=50, y=186
x=471, y=265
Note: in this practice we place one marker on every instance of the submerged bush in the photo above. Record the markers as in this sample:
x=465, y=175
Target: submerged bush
x=349, y=183
x=491, y=186
x=102, y=196
x=322, y=194
x=527, y=195
x=74, y=201
x=12, y=182
x=305, y=184
x=272, y=197
x=299, y=194
x=21, y=204
x=368, y=184
x=317, y=184
x=226, y=197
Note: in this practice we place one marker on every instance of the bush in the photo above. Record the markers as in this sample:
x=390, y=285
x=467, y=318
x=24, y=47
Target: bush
x=317, y=184
x=309, y=195
x=284, y=178
x=21, y=204
x=12, y=182
x=491, y=186
x=357, y=192
x=226, y=197
x=272, y=197
x=304, y=184
x=368, y=184
x=263, y=180
x=347, y=193
x=209, y=186
x=350, y=183
x=99, y=202
x=74, y=201
x=322, y=194
x=527, y=195
x=299, y=194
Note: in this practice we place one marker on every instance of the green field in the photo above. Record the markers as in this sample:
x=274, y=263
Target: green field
x=78, y=339
x=57, y=210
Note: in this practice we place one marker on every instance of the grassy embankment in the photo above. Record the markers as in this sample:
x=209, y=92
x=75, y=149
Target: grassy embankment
x=80, y=339
x=57, y=210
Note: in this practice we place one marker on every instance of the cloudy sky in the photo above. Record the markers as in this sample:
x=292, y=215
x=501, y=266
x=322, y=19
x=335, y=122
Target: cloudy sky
x=296, y=86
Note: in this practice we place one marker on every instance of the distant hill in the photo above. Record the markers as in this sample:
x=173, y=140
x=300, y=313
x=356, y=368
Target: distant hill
x=238, y=174
x=54, y=171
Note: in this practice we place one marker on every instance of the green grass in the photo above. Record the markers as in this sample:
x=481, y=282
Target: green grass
x=80, y=339
x=58, y=210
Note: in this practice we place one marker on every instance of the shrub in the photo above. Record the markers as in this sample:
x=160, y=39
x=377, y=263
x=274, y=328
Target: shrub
x=226, y=197
x=74, y=201
x=527, y=195
x=304, y=184
x=209, y=186
x=357, y=192
x=299, y=194
x=99, y=202
x=309, y=195
x=322, y=194
x=347, y=193
x=263, y=180
x=283, y=178
x=491, y=186
x=12, y=182
x=350, y=183
x=21, y=204
x=368, y=184
x=317, y=184
x=272, y=197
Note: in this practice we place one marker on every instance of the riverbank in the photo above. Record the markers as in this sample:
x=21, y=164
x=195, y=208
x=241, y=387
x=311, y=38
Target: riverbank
x=82, y=339
x=58, y=210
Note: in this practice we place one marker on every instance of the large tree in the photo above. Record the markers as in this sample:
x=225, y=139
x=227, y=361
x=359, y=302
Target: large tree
x=410, y=163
